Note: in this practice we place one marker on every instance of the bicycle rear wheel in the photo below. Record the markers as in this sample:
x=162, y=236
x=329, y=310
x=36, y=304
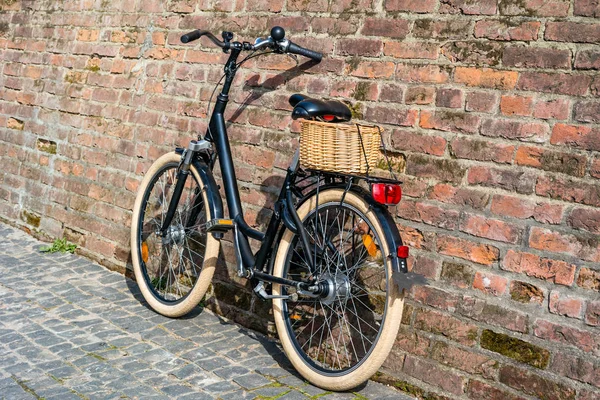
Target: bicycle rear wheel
x=340, y=338
x=174, y=270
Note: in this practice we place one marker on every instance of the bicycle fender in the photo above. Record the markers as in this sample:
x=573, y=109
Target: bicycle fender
x=215, y=203
x=402, y=278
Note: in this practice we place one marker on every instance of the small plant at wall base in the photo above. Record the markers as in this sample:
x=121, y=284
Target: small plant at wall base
x=60, y=246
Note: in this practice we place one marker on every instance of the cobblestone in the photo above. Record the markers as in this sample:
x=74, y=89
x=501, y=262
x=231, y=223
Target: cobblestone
x=71, y=329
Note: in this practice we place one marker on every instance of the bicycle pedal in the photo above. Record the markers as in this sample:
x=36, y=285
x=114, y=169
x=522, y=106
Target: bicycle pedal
x=219, y=225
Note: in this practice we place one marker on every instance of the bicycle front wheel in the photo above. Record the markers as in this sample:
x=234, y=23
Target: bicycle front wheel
x=340, y=338
x=173, y=270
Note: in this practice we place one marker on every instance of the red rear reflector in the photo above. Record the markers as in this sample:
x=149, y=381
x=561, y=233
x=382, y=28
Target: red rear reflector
x=328, y=117
x=386, y=193
x=403, y=251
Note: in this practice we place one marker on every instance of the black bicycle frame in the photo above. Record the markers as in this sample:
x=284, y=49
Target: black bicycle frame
x=253, y=265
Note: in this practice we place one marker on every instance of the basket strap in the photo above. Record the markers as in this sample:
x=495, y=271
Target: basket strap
x=363, y=148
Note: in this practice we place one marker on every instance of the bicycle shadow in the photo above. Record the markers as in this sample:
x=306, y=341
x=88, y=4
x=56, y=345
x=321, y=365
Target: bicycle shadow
x=257, y=90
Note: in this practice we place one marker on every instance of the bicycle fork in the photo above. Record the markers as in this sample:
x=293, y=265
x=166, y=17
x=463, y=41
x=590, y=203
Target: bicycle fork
x=182, y=174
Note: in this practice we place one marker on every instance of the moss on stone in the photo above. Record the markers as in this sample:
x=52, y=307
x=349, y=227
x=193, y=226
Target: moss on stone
x=31, y=218
x=514, y=348
x=361, y=91
x=47, y=146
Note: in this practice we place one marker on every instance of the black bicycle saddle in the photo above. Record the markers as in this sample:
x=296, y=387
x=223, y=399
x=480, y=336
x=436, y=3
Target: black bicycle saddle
x=309, y=108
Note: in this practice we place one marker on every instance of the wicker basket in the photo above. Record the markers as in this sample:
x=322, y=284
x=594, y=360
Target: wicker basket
x=338, y=147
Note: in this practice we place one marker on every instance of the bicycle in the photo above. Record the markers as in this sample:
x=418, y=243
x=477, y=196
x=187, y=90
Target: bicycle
x=338, y=271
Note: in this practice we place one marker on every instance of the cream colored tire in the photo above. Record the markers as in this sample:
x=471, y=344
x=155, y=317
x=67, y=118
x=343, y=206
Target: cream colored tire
x=388, y=329
x=186, y=303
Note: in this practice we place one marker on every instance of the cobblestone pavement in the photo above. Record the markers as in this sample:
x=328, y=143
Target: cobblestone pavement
x=71, y=329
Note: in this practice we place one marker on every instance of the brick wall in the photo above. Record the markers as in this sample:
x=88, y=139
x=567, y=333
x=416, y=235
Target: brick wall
x=493, y=116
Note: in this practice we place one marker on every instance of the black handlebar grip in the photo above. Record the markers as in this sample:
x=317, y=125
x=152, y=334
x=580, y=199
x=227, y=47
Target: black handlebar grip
x=295, y=49
x=191, y=36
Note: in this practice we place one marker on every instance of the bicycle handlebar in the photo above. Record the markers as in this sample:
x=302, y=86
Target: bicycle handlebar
x=295, y=49
x=197, y=34
x=276, y=41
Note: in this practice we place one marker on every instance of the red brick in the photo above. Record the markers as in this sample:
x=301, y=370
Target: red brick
x=584, y=340
x=482, y=391
x=510, y=129
x=310, y=6
x=437, y=298
x=500, y=30
x=422, y=73
x=535, y=385
x=372, y=69
x=428, y=214
x=482, y=150
x=333, y=26
x=559, y=272
x=419, y=95
x=568, y=190
x=391, y=115
x=576, y=368
x=487, y=78
x=595, y=168
x=429, y=372
x=551, y=8
x=415, y=238
x=536, y=57
x=553, y=161
x=592, y=313
x=443, y=170
x=524, y=209
x=585, y=248
x=587, y=59
x=473, y=363
x=430, y=28
x=411, y=50
x=86, y=35
x=465, y=249
x=587, y=111
x=564, y=305
x=585, y=218
x=551, y=109
x=405, y=140
x=482, y=311
x=450, y=121
x=412, y=342
x=481, y=102
x=446, y=325
x=481, y=226
x=589, y=279
x=395, y=28
x=360, y=47
x=516, y=105
x=580, y=136
x=485, y=7
x=577, y=32
x=450, y=98
x=555, y=83
x=587, y=8
x=458, y=195
x=520, y=181
x=490, y=283
x=415, y=6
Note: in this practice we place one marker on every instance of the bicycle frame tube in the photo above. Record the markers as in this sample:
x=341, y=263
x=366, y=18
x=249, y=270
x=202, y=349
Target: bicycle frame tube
x=217, y=132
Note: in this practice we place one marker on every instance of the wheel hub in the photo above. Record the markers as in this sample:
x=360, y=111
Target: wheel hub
x=335, y=288
x=175, y=234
